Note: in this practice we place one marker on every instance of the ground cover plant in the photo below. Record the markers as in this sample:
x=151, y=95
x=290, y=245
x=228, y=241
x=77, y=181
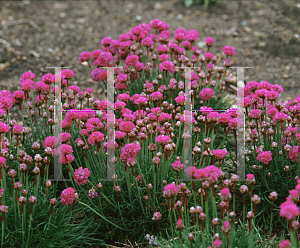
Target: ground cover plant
x=145, y=201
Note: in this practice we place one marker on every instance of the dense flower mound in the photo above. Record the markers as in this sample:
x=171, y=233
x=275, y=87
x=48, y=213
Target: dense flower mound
x=145, y=126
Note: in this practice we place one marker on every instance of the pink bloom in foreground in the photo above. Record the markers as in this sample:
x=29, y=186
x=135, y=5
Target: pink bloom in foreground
x=206, y=94
x=217, y=243
x=229, y=50
x=289, y=209
x=285, y=244
x=170, y=190
x=219, y=154
x=264, y=157
x=81, y=175
x=67, y=196
x=96, y=137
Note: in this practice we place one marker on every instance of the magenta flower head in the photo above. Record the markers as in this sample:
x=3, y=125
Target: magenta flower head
x=225, y=228
x=67, y=196
x=84, y=56
x=285, y=244
x=225, y=194
x=3, y=209
x=67, y=74
x=179, y=225
x=229, y=50
x=81, y=175
x=250, y=179
x=206, y=94
x=17, y=129
x=96, y=137
x=3, y=127
x=264, y=157
x=157, y=216
x=219, y=154
x=170, y=190
x=209, y=41
x=217, y=243
x=167, y=66
x=6, y=103
x=289, y=209
x=190, y=171
x=177, y=166
x=162, y=139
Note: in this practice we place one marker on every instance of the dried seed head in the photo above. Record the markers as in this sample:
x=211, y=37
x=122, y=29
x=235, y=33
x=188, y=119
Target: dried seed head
x=202, y=216
x=23, y=167
x=273, y=196
x=190, y=237
x=99, y=186
x=53, y=201
x=255, y=199
x=36, y=146
x=3, y=209
x=215, y=221
x=250, y=215
x=36, y=170
x=22, y=200
x=24, y=192
x=244, y=189
x=38, y=158
x=12, y=173
x=32, y=200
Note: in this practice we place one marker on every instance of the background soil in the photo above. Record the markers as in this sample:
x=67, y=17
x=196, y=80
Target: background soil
x=266, y=35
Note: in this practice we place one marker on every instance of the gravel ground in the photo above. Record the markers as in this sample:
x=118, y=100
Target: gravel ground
x=36, y=34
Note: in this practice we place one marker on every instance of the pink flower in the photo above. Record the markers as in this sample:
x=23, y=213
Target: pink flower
x=293, y=154
x=206, y=94
x=201, y=174
x=129, y=152
x=99, y=74
x=167, y=66
x=27, y=85
x=162, y=139
x=156, y=216
x=4, y=128
x=177, y=165
x=106, y=41
x=190, y=171
x=156, y=96
x=208, y=56
x=272, y=95
x=67, y=196
x=224, y=119
x=96, y=137
x=209, y=41
x=180, y=100
x=27, y=75
x=255, y=114
x=285, y=244
x=84, y=56
x=81, y=175
x=147, y=42
x=67, y=74
x=6, y=103
x=49, y=142
x=219, y=154
x=264, y=85
x=229, y=50
x=131, y=60
x=264, y=157
x=170, y=190
x=123, y=97
x=217, y=243
x=280, y=117
x=126, y=126
x=289, y=209
x=17, y=129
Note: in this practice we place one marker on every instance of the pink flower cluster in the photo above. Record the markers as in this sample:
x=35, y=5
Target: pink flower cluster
x=81, y=175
